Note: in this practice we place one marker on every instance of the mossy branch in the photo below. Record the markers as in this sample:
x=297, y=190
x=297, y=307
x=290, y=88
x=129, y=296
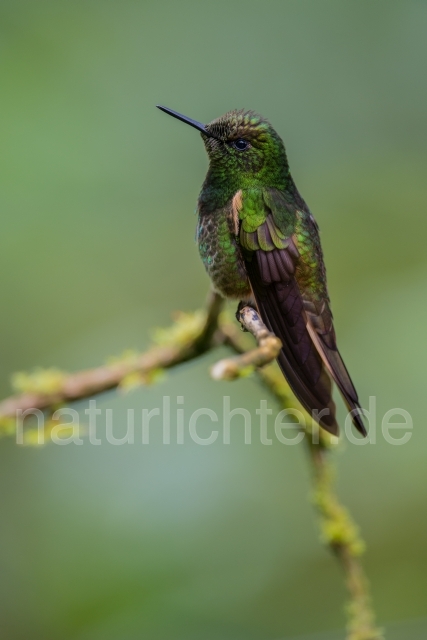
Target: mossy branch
x=189, y=337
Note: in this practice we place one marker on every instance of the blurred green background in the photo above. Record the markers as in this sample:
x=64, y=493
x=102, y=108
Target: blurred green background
x=97, y=193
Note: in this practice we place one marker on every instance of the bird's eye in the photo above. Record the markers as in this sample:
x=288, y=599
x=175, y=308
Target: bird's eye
x=240, y=144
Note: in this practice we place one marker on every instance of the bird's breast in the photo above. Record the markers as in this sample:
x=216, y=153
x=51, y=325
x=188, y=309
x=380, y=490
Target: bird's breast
x=221, y=253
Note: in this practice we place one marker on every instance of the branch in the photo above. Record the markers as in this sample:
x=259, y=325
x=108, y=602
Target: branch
x=267, y=350
x=191, y=336
x=342, y=535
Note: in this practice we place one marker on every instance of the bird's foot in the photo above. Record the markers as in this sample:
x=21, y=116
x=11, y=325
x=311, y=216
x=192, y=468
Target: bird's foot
x=240, y=317
x=267, y=349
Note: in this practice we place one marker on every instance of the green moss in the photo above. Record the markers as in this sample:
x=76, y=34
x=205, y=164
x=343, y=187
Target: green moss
x=129, y=356
x=45, y=381
x=137, y=379
x=186, y=327
x=7, y=426
x=337, y=526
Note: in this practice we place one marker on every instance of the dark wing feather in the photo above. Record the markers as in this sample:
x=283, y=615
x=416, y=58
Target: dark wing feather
x=321, y=329
x=272, y=276
x=309, y=350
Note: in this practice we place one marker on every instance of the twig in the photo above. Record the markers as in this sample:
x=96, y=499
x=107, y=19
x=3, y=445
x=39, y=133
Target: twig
x=187, y=341
x=191, y=336
x=267, y=350
x=343, y=538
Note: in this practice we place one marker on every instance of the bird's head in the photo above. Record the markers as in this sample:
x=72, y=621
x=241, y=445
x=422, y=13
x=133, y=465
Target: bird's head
x=242, y=147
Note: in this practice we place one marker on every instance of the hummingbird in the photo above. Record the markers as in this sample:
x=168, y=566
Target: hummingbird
x=260, y=245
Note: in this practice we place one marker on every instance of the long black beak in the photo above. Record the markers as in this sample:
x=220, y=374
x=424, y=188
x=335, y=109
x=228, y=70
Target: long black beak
x=193, y=123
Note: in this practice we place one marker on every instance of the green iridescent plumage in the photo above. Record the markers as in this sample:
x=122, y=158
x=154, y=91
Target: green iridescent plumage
x=260, y=244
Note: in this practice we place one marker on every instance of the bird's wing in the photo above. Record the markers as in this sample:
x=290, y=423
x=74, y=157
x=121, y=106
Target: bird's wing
x=322, y=333
x=276, y=259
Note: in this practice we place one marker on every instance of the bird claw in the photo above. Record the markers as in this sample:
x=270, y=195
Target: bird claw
x=240, y=306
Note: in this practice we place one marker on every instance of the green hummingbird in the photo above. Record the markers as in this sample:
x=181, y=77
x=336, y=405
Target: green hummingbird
x=260, y=244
